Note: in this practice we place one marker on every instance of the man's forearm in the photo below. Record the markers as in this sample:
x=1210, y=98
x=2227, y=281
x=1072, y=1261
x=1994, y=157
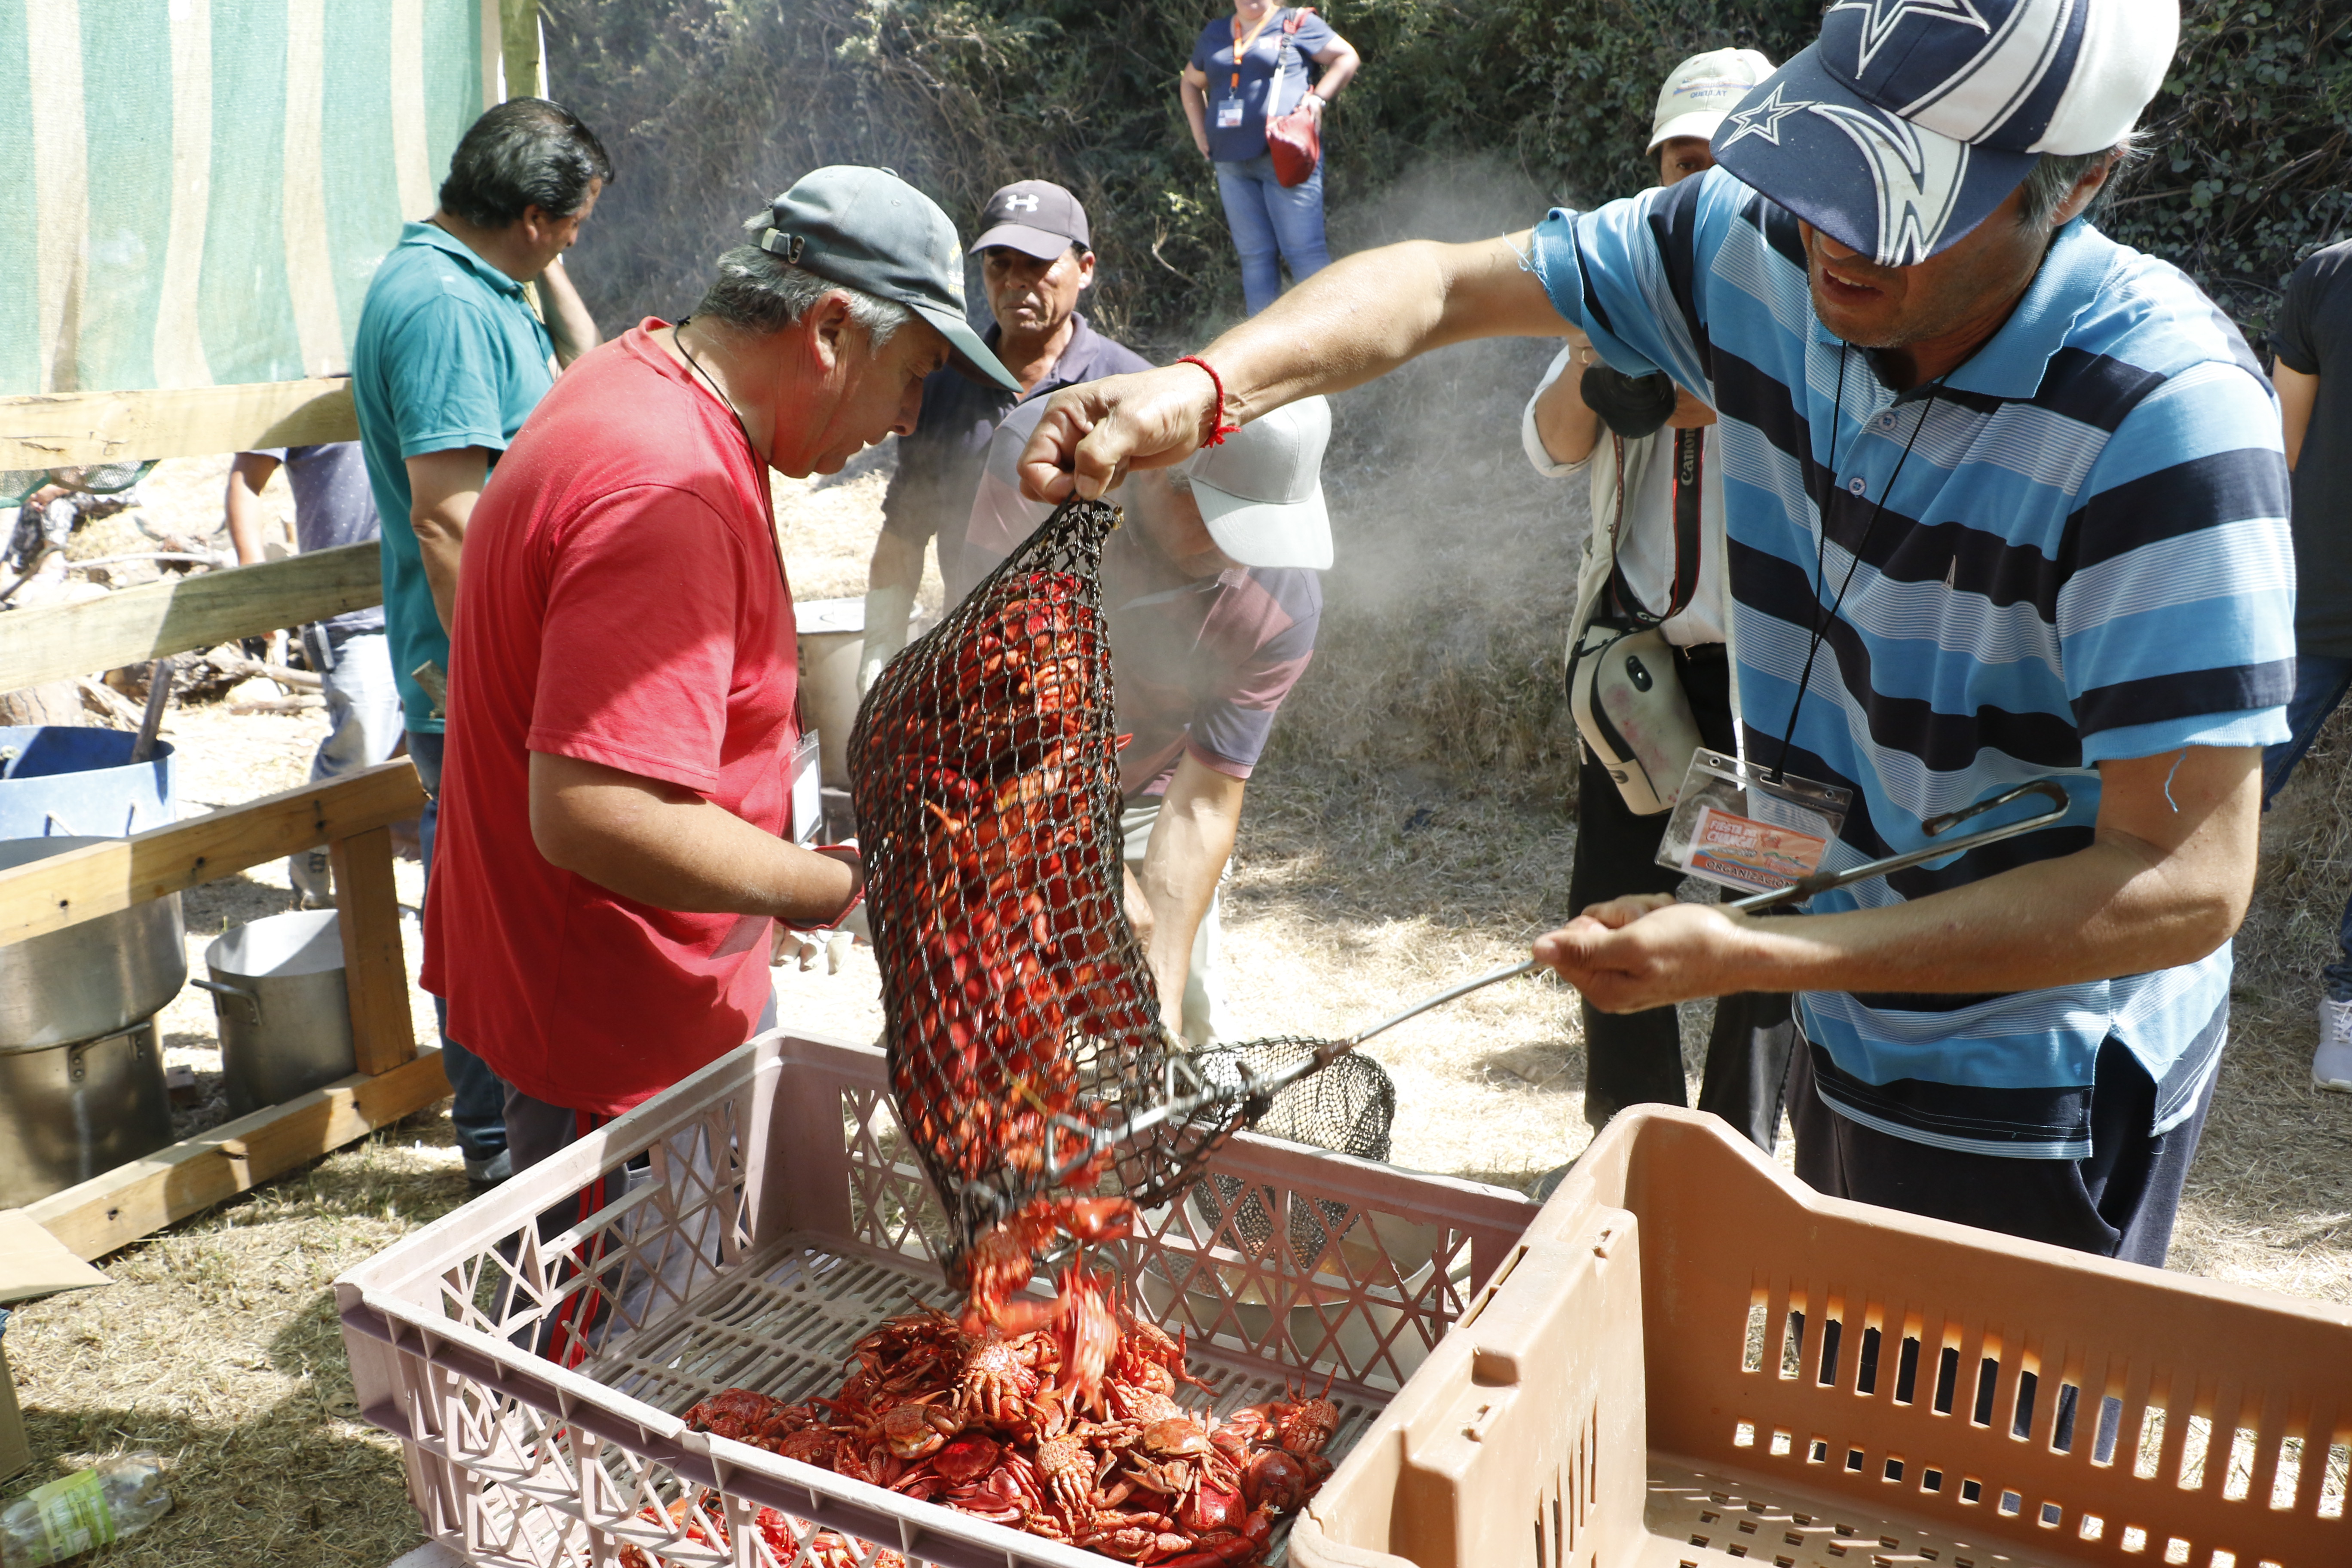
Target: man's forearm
x=668, y=848
x=1364, y=315
x=568, y=324
x=2166, y=880
x=244, y=525
x=440, y=540
x=1565, y=423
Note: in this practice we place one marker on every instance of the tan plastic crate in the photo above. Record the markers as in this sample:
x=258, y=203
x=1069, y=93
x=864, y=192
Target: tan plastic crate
x=773, y=1222
x=1697, y=1359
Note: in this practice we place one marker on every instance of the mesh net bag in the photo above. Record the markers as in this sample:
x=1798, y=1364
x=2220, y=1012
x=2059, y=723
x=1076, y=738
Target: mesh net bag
x=1348, y=1107
x=1019, y=1014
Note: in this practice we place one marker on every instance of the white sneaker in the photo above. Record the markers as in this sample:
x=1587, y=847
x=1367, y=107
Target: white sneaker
x=2331, y=1064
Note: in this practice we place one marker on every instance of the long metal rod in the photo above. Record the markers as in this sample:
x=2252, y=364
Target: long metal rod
x=2050, y=790
x=1254, y=1086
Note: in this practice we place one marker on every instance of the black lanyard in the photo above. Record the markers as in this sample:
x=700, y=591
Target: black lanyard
x=1821, y=546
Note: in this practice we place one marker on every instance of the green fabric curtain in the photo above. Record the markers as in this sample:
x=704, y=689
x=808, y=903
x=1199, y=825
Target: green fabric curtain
x=195, y=193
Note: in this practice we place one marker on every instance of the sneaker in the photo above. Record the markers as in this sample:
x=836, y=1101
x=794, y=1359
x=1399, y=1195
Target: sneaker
x=2331, y=1064
x=483, y=1175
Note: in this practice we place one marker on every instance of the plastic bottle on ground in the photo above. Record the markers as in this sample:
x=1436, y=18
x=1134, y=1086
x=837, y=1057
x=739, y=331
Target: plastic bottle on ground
x=83, y=1511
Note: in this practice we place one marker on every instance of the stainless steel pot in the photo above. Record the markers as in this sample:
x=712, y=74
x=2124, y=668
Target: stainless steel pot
x=96, y=978
x=284, y=1012
x=71, y=1112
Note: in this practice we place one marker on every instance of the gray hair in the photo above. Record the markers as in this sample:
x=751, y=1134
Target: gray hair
x=2055, y=176
x=762, y=292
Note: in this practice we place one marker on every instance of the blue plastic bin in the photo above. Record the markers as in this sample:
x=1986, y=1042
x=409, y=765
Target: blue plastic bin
x=64, y=780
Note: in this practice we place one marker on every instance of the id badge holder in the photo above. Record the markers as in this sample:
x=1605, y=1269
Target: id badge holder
x=1741, y=826
x=1229, y=113
x=807, y=792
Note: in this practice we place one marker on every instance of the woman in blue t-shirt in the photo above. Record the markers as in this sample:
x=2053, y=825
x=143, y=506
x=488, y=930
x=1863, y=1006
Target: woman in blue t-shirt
x=1225, y=91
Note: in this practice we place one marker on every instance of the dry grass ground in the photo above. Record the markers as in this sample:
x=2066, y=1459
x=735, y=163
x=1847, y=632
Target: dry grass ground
x=1408, y=830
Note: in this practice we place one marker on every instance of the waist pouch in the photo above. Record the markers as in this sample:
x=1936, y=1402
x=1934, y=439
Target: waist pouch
x=1629, y=704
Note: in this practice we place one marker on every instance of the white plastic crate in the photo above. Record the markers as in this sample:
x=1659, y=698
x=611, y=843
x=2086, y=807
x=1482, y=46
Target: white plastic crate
x=770, y=1223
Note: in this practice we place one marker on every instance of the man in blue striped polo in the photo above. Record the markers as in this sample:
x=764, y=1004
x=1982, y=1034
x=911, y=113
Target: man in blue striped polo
x=2004, y=500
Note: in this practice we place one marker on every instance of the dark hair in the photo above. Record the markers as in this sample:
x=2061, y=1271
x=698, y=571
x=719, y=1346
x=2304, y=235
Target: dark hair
x=526, y=152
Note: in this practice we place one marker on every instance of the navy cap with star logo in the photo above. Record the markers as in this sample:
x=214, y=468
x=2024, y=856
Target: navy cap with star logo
x=1908, y=121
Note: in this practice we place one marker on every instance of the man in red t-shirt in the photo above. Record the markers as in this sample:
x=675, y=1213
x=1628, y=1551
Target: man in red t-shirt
x=613, y=841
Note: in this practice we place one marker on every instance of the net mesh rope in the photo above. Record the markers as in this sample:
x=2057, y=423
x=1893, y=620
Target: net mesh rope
x=1020, y=1012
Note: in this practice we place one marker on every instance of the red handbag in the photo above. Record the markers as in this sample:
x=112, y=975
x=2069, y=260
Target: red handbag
x=1293, y=140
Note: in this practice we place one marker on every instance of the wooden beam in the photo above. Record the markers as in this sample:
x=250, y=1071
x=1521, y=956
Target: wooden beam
x=101, y=878
x=384, y=1034
x=144, y=1196
x=156, y=620
x=61, y=429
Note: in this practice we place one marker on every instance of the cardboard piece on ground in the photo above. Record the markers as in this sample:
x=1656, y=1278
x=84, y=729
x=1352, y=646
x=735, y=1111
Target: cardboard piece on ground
x=32, y=1263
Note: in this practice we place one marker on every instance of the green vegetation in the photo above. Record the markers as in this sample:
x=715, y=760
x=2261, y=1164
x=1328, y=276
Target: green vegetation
x=711, y=105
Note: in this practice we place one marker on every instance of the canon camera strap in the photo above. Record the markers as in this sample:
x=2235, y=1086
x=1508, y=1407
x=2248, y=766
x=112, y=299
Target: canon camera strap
x=1690, y=475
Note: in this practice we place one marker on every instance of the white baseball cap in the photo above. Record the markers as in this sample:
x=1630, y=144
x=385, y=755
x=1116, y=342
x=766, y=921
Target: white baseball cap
x=1701, y=90
x=1261, y=492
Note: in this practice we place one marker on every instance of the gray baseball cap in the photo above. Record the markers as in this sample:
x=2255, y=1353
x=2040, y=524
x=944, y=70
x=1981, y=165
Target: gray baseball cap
x=868, y=229
x=1261, y=492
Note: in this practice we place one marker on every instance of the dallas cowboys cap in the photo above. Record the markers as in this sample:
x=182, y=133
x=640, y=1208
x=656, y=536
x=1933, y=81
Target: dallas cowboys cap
x=1261, y=492
x=1909, y=121
x=1037, y=217
x=1702, y=91
x=869, y=230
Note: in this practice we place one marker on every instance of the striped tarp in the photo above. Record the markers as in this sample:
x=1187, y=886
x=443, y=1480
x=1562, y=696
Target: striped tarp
x=195, y=193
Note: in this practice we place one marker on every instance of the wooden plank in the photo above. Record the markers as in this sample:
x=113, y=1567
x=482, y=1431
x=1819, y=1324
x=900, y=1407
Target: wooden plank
x=100, y=878
x=144, y=1196
x=383, y=1035
x=156, y=620
x=58, y=429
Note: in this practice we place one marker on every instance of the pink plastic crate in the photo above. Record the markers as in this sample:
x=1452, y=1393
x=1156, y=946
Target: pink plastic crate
x=769, y=1222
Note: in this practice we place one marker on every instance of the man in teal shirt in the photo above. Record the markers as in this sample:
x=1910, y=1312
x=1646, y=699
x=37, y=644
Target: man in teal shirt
x=449, y=361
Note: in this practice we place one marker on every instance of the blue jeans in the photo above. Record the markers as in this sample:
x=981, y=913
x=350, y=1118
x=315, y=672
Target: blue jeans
x=1265, y=217
x=363, y=724
x=479, y=1105
x=2320, y=682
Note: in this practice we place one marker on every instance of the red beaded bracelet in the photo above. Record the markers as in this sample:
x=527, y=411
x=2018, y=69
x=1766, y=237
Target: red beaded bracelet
x=1218, y=429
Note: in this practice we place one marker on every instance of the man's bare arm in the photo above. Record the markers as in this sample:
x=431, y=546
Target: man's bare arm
x=1358, y=319
x=248, y=474
x=2166, y=880
x=2296, y=393
x=1190, y=845
x=1565, y=423
x=669, y=849
x=568, y=324
x=892, y=580
x=442, y=490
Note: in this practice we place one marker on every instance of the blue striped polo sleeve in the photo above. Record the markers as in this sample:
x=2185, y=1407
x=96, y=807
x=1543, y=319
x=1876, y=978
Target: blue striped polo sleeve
x=1630, y=274
x=2175, y=624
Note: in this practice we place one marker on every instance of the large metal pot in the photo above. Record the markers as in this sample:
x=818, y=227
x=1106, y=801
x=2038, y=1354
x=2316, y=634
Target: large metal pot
x=96, y=978
x=831, y=636
x=71, y=1112
x=285, y=1012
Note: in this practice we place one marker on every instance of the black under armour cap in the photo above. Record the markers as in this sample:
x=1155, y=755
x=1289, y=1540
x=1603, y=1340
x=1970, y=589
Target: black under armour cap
x=1036, y=217
x=871, y=231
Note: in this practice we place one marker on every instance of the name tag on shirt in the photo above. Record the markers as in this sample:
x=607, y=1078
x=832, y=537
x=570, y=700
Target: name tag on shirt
x=1229, y=113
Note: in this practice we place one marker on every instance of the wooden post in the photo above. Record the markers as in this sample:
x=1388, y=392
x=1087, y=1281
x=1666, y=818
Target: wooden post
x=383, y=1035
x=526, y=68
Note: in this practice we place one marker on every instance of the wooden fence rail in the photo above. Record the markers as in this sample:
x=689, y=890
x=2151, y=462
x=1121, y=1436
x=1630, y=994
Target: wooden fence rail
x=56, y=642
